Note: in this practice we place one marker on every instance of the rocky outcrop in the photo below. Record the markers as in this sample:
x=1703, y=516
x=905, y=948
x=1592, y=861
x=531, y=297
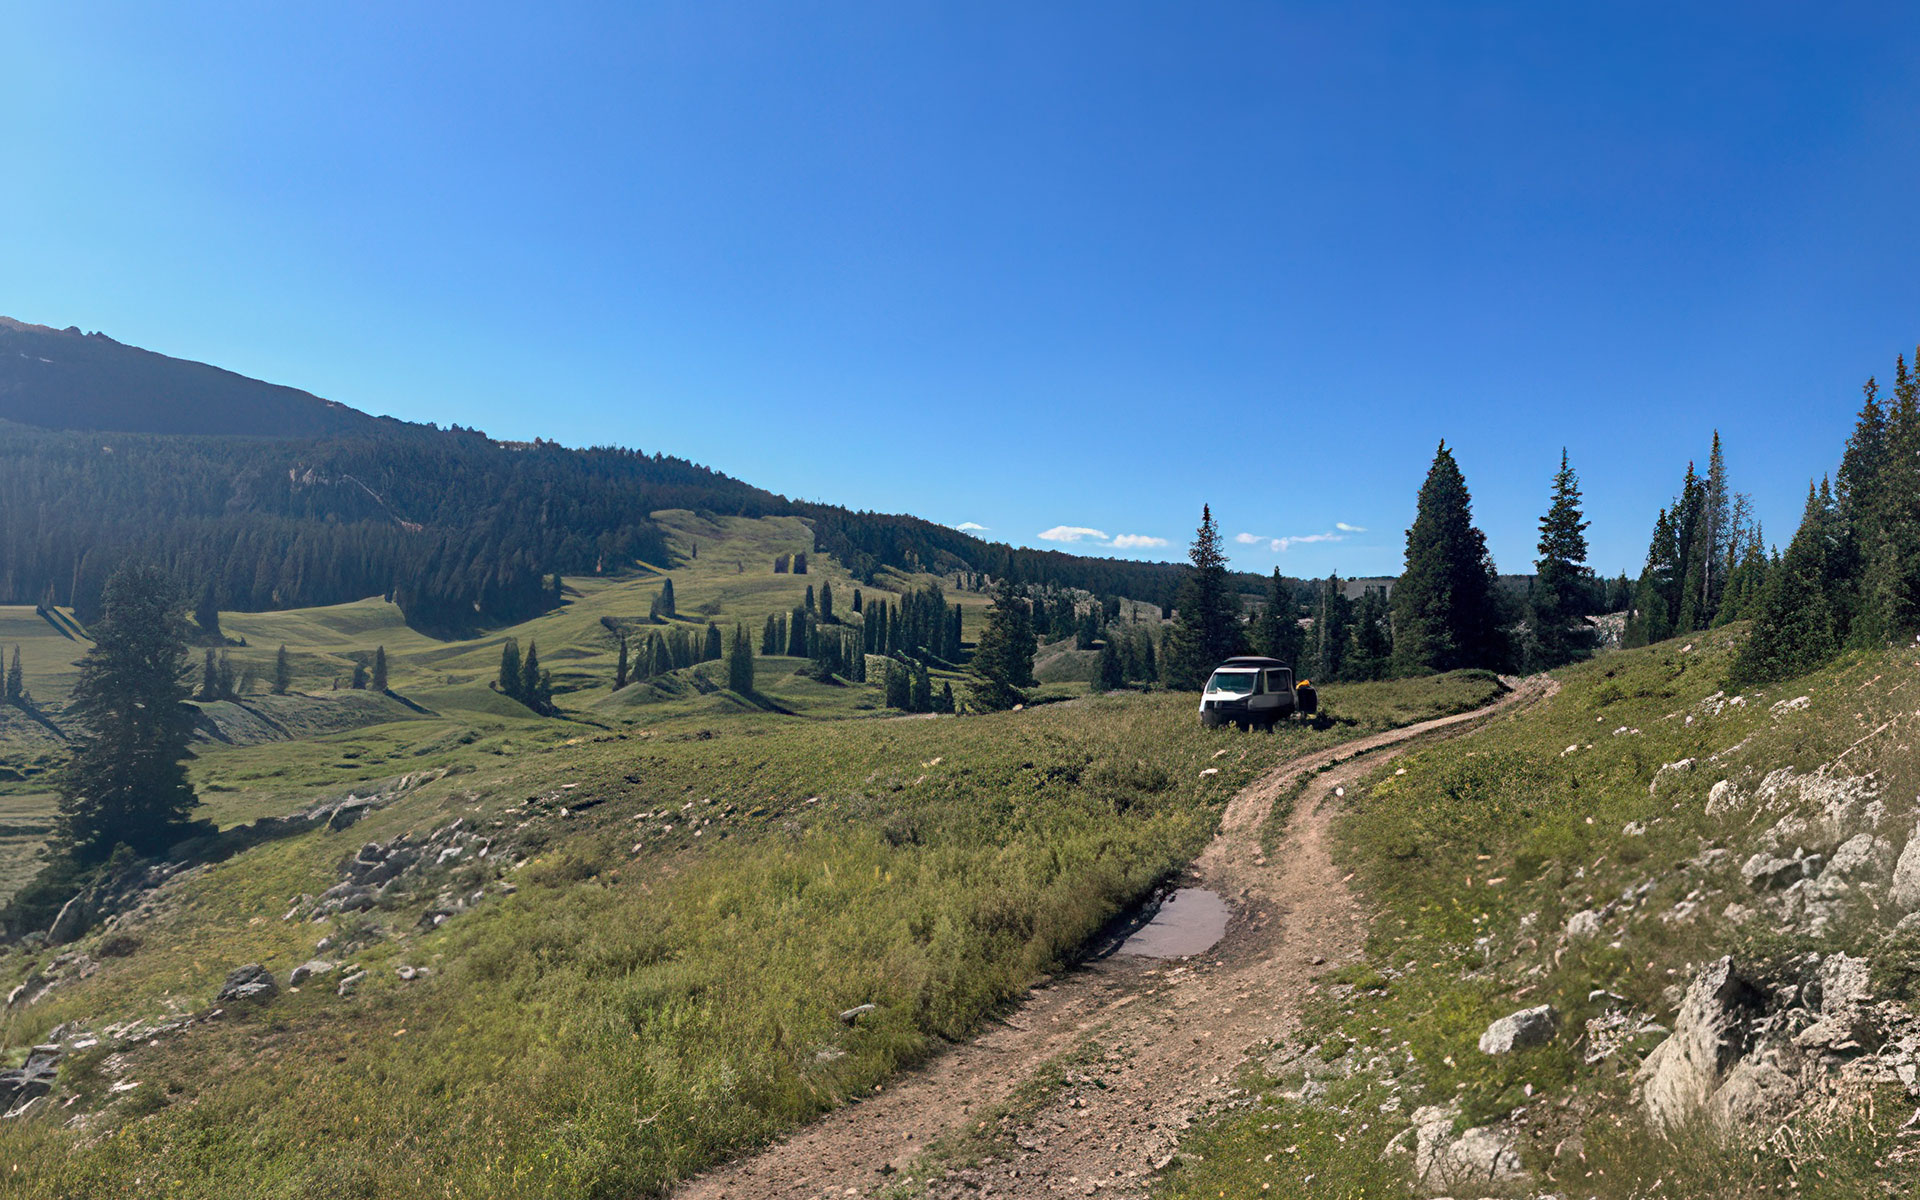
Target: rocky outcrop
x=308, y=970
x=1711, y=1033
x=70, y=923
x=1905, y=892
x=1446, y=1161
x=1516, y=1031
x=252, y=983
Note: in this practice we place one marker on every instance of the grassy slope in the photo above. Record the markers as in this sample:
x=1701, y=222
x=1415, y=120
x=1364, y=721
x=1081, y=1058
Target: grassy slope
x=661, y=989
x=1478, y=854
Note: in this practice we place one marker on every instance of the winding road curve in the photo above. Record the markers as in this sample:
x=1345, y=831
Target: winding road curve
x=1158, y=1040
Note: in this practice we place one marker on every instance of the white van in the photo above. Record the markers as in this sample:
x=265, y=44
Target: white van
x=1251, y=691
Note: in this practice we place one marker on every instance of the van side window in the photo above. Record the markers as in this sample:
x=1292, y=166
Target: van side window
x=1277, y=681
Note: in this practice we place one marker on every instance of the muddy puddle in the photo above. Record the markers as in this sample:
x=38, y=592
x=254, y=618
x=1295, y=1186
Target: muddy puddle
x=1187, y=922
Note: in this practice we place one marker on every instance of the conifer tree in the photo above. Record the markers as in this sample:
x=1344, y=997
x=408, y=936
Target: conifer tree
x=529, y=676
x=1444, y=614
x=826, y=603
x=1332, y=631
x=920, y=696
x=1110, y=675
x=945, y=703
x=1207, y=623
x=209, y=677
x=797, y=633
x=282, y=672
x=126, y=779
x=1563, y=580
x=800, y=564
x=380, y=669
x=810, y=603
x=16, y=679
x=740, y=664
x=206, y=614
x=359, y=683
x=620, y=668
x=223, y=677
x=666, y=598
x=508, y=680
x=1003, y=657
x=1369, y=652
x=856, y=599
x=1794, y=630
x=772, y=637
x=713, y=643
x=899, y=687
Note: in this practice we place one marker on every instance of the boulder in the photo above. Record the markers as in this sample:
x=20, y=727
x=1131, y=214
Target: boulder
x=1862, y=856
x=1710, y=1034
x=1443, y=1160
x=1906, y=876
x=1516, y=1031
x=1759, y=1091
x=1722, y=798
x=1844, y=991
x=69, y=924
x=307, y=970
x=251, y=983
x=1766, y=872
x=1583, y=925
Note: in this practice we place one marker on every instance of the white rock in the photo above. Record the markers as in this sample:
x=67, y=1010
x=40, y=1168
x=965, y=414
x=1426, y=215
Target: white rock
x=1516, y=1031
x=1583, y=925
x=1906, y=876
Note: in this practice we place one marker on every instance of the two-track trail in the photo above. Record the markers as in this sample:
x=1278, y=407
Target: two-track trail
x=1160, y=1040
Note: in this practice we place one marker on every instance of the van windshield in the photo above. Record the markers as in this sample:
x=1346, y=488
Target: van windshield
x=1234, y=683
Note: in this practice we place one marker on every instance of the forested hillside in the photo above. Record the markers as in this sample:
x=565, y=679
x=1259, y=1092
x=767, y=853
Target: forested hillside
x=458, y=529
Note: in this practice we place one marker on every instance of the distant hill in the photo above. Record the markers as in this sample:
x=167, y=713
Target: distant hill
x=65, y=379
x=261, y=497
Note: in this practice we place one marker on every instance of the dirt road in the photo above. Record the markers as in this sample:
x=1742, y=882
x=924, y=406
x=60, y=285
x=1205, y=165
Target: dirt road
x=1150, y=1044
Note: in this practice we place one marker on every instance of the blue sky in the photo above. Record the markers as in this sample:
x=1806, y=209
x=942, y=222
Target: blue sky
x=1066, y=269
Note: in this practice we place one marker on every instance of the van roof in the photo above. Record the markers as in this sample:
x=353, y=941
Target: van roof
x=1252, y=660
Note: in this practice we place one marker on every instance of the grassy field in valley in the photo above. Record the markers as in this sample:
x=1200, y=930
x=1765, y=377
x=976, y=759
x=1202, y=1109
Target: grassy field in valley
x=644, y=969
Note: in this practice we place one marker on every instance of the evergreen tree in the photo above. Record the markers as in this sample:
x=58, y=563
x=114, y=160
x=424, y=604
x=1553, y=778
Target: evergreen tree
x=508, y=681
x=223, y=677
x=16, y=680
x=826, y=604
x=810, y=603
x=126, y=779
x=620, y=668
x=856, y=599
x=740, y=664
x=797, y=633
x=899, y=687
x=713, y=643
x=1087, y=629
x=530, y=676
x=1110, y=675
x=1003, y=657
x=1444, y=611
x=282, y=672
x=1563, y=580
x=380, y=669
x=1369, y=652
x=1794, y=631
x=209, y=677
x=359, y=683
x=1207, y=624
x=799, y=564
x=772, y=637
x=945, y=703
x=666, y=598
x=1709, y=545
x=920, y=695
x=1332, y=631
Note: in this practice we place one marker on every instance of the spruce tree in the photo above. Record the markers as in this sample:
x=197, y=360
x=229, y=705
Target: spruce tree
x=810, y=602
x=945, y=703
x=1207, y=622
x=740, y=663
x=126, y=779
x=826, y=604
x=620, y=667
x=666, y=598
x=282, y=672
x=797, y=633
x=508, y=680
x=713, y=650
x=224, y=677
x=920, y=695
x=530, y=676
x=856, y=599
x=1444, y=614
x=772, y=639
x=799, y=564
x=1110, y=674
x=1332, y=631
x=209, y=677
x=359, y=683
x=16, y=679
x=1794, y=630
x=899, y=687
x=1003, y=658
x=380, y=669
x=1563, y=580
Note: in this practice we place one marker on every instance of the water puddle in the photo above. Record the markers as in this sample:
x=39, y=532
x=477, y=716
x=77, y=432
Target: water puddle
x=1188, y=922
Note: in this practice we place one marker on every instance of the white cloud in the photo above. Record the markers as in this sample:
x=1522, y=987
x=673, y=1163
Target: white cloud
x=1282, y=545
x=1072, y=533
x=1343, y=527
x=1137, y=541
x=970, y=527
x=1249, y=539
